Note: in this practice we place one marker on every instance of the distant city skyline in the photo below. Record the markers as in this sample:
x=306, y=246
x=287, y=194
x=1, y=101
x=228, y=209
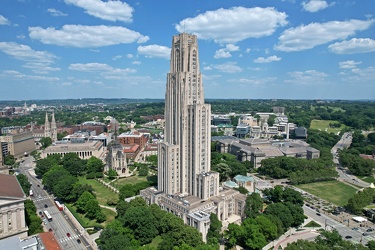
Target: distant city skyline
x=261, y=49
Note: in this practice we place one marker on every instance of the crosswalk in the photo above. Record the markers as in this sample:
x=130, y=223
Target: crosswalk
x=72, y=237
x=42, y=198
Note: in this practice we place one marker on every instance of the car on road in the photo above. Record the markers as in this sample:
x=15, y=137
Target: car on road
x=348, y=237
x=355, y=228
x=50, y=230
x=318, y=214
x=45, y=205
x=40, y=213
x=365, y=234
x=78, y=241
x=38, y=185
x=68, y=234
x=370, y=230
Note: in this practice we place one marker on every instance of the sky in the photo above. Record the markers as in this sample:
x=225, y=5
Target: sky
x=250, y=49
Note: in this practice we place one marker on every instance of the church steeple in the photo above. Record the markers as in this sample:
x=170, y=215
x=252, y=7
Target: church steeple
x=47, y=127
x=53, y=128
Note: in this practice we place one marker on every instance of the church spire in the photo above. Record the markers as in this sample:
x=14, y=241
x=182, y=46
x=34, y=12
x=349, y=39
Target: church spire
x=47, y=127
x=53, y=128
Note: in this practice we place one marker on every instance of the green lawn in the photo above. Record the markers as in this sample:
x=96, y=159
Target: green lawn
x=335, y=192
x=102, y=193
x=85, y=222
x=369, y=179
x=128, y=180
x=323, y=125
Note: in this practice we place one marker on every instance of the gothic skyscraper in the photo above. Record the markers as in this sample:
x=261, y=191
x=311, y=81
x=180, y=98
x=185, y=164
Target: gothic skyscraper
x=186, y=185
x=184, y=156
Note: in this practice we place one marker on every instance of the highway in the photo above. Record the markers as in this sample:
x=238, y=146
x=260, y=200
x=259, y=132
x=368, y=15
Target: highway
x=67, y=234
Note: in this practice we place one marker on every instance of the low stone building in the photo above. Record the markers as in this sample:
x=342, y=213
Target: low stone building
x=12, y=208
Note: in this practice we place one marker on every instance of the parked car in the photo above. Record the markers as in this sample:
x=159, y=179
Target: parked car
x=348, y=237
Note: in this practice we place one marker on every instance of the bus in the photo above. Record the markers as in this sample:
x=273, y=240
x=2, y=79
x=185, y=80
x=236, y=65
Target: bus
x=47, y=215
x=59, y=205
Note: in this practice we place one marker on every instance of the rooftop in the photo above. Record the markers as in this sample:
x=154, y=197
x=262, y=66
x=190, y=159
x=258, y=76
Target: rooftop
x=10, y=187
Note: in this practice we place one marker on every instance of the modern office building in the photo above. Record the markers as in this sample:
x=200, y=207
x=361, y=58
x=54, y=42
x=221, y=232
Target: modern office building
x=186, y=185
x=17, y=144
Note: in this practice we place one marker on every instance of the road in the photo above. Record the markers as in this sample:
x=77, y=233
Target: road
x=344, y=143
x=61, y=224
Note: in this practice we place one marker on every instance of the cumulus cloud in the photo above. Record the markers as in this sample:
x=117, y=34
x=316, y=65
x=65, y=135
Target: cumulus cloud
x=267, y=59
x=308, y=36
x=307, y=77
x=229, y=67
x=108, y=10
x=104, y=70
x=225, y=52
x=154, y=50
x=4, y=21
x=234, y=25
x=86, y=36
x=39, y=61
x=55, y=12
x=353, y=46
x=254, y=81
x=314, y=5
x=13, y=74
x=349, y=64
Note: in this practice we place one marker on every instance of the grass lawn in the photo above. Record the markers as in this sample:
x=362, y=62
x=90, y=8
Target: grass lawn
x=129, y=180
x=335, y=192
x=102, y=193
x=369, y=179
x=323, y=125
x=85, y=222
x=155, y=242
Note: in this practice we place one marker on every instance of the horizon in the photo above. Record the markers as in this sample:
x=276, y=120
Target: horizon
x=309, y=50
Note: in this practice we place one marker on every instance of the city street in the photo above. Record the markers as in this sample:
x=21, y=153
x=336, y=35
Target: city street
x=67, y=234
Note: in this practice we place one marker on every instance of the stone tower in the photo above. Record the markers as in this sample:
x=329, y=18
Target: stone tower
x=47, y=127
x=184, y=156
x=53, y=128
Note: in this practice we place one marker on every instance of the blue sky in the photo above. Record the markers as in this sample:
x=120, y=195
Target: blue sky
x=258, y=49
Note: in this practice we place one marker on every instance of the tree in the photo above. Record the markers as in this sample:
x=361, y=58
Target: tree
x=9, y=160
x=254, y=205
x=92, y=209
x=73, y=164
x=32, y=220
x=45, y=142
x=94, y=165
x=142, y=170
x=142, y=222
x=213, y=234
x=24, y=182
x=83, y=201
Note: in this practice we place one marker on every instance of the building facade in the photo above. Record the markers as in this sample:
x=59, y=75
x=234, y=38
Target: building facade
x=12, y=208
x=17, y=144
x=186, y=185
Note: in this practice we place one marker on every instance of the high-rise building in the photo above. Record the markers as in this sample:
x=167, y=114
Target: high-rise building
x=186, y=185
x=184, y=156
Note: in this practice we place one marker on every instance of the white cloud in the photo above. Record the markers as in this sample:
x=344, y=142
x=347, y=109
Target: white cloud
x=104, y=70
x=307, y=77
x=129, y=56
x=222, y=53
x=314, y=5
x=4, y=21
x=358, y=75
x=234, y=25
x=229, y=67
x=267, y=59
x=136, y=62
x=349, y=64
x=353, y=46
x=25, y=53
x=109, y=10
x=116, y=57
x=154, y=50
x=90, y=67
x=254, y=81
x=225, y=52
x=314, y=34
x=86, y=36
x=13, y=74
x=248, y=50
x=55, y=12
